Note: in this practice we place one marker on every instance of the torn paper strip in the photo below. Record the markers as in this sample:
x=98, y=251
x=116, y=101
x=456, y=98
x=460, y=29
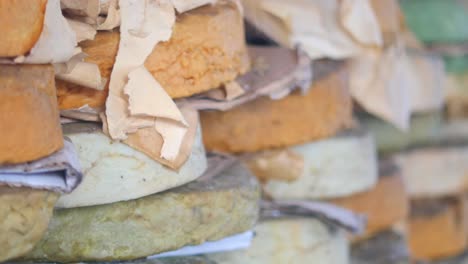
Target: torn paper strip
x=316, y=25
x=59, y=172
x=276, y=72
x=85, y=74
x=82, y=30
x=327, y=213
x=144, y=24
x=112, y=20
x=57, y=41
x=381, y=83
x=144, y=92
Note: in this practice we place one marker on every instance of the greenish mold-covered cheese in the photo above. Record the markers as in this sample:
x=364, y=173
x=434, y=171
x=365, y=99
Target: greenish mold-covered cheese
x=204, y=210
x=24, y=216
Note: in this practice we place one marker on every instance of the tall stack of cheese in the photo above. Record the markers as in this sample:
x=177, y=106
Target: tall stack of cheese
x=306, y=146
x=116, y=67
x=36, y=164
x=436, y=172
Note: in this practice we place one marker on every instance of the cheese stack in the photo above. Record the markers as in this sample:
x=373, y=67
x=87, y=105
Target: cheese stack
x=435, y=171
x=36, y=164
x=386, y=207
x=135, y=145
x=303, y=147
x=292, y=170
x=341, y=169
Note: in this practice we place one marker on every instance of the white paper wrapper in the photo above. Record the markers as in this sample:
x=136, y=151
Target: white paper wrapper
x=236, y=242
x=327, y=213
x=59, y=172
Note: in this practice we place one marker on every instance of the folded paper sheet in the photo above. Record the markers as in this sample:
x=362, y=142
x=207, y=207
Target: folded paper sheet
x=143, y=25
x=392, y=84
x=342, y=27
x=328, y=213
x=275, y=73
x=59, y=172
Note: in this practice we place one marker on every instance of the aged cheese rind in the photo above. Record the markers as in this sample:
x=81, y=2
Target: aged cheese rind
x=291, y=241
x=435, y=171
x=334, y=167
x=115, y=172
x=384, y=205
x=22, y=23
x=200, y=211
x=210, y=58
x=29, y=117
x=265, y=123
x=438, y=228
x=24, y=217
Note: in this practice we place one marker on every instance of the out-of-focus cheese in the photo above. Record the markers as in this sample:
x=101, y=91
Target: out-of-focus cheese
x=334, y=167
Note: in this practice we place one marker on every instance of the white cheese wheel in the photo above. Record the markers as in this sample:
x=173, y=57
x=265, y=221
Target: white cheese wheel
x=115, y=172
x=335, y=167
x=435, y=171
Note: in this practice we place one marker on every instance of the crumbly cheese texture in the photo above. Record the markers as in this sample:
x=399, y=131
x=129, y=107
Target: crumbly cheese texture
x=264, y=123
x=438, y=228
x=333, y=168
x=291, y=241
x=204, y=210
x=22, y=23
x=29, y=117
x=384, y=205
x=115, y=172
x=24, y=217
x=206, y=49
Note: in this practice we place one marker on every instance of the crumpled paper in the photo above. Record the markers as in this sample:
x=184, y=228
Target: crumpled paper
x=325, y=212
x=59, y=172
x=341, y=28
x=144, y=24
x=392, y=85
x=275, y=72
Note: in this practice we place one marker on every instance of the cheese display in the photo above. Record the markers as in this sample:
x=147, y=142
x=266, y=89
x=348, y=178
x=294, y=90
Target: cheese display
x=233, y=131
